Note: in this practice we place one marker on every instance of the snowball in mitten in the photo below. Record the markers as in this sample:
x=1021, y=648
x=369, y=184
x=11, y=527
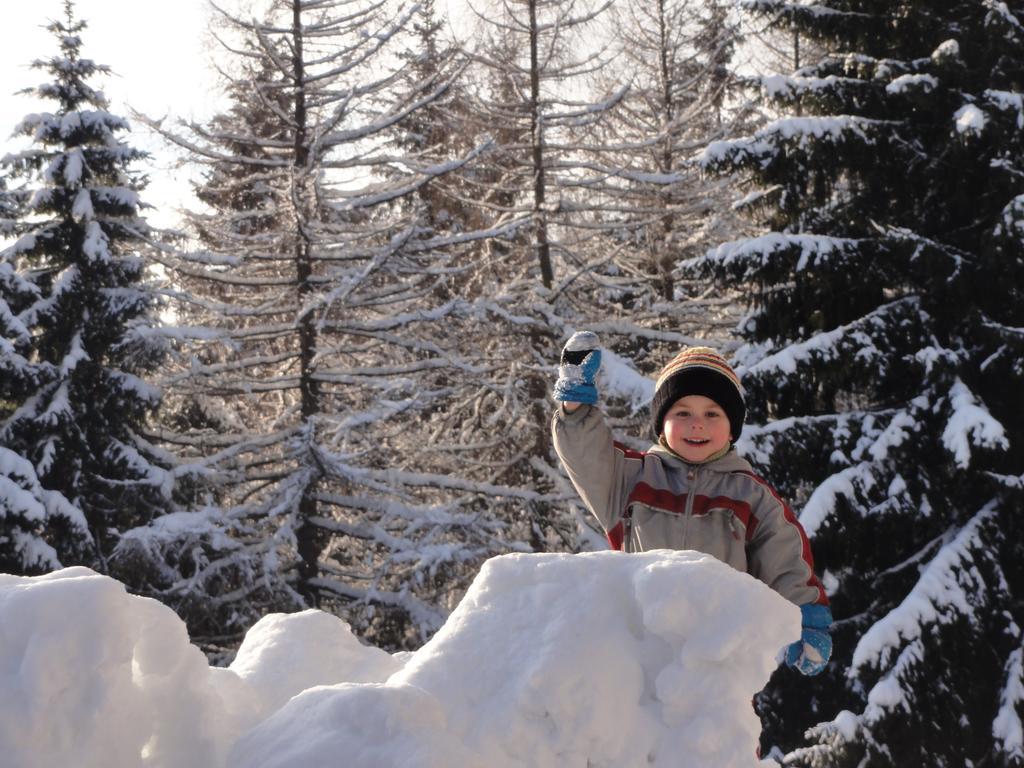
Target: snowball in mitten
x=580, y=361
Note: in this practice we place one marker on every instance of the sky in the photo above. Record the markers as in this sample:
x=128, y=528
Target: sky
x=158, y=51
x=549, y=661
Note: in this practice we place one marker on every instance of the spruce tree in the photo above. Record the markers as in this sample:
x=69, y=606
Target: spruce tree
x=884, y=365
x=73, y=316
x=27, y=510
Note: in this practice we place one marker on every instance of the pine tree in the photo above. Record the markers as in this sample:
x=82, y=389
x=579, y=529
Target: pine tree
x=74, y=315
x=27, y=510
x=883, y=362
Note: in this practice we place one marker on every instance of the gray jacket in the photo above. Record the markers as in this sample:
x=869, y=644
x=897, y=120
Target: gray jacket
x=655, y=500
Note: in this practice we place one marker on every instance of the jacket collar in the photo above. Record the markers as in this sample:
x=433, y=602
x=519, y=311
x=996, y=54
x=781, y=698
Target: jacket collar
x=731, y=462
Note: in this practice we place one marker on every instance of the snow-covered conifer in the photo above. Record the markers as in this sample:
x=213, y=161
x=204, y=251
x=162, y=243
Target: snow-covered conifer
x=883, y=361
x=72, y=305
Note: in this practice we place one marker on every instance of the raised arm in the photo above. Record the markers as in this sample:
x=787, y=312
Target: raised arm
x=602, y=471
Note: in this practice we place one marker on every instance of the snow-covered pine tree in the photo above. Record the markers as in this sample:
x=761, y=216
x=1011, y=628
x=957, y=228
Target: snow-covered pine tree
x=73, y=304
x=884, y=365
x=330, y=340
x=27, y=510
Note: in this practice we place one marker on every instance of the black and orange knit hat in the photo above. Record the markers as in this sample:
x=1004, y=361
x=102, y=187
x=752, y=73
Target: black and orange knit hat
x=699, y=371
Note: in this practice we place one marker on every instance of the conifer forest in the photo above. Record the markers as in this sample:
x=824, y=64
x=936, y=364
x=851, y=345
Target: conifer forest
x=329, y=385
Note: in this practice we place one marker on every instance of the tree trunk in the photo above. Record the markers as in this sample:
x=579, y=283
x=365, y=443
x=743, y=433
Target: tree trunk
x=540, y=223
x=664, y=261
x=308, y=543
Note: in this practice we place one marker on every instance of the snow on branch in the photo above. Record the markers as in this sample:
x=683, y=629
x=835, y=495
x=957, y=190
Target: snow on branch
x=1011, y=224
x=970, y=423
x=1007, y=101
x=970, y=120
x=383, y=192
x=820, y=133
x=417, y=515
x=393, y=477
x=946, y=589
x=758, y=441
x=791, y=87
x=999, y=11
x=855, y=340
x=626, y=328
x=422, y=613
x=873, y=448
x=787, y=6
x=912, y=83
x=922, y=244
x=1006, y=728
x=619, y=378
x=1013, y=482
x=455, y=307
x=822, y=502
x=23, y=498
x=756, y=253
x=889, y=693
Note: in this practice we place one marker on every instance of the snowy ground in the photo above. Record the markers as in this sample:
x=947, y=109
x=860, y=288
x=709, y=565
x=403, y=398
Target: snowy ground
x=599, y=659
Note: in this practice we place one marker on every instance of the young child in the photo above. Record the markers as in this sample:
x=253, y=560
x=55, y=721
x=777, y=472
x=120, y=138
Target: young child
x=690, y=490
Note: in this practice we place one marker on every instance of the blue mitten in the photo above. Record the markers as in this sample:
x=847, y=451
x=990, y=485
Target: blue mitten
x=579, y=364
x=812, y=651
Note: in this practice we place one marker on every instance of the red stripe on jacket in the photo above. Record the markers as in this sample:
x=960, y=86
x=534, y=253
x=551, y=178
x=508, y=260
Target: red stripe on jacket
x=628, y=453
x=657, y=497
x=676, y=503
x=665, y=500
x=617, y=535
x=741, y=509
x=790, y=517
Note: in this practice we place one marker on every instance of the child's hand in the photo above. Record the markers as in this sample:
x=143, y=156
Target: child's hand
x=812, y=651
x=580, y=361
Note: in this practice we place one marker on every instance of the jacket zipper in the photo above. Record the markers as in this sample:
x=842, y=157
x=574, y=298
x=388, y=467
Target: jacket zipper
x=691, y=476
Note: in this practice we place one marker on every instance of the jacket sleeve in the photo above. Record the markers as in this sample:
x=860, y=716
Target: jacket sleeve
x=779, y=554
x=603, y=472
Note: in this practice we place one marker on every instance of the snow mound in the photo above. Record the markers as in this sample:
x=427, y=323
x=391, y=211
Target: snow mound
x=601, y=659
x=598, y=659
x=328, y=653
x=92, y=677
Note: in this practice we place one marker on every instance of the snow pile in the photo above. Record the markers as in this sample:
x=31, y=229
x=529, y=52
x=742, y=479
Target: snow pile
x=600, y=659
x=283, y=655
x=92, y=677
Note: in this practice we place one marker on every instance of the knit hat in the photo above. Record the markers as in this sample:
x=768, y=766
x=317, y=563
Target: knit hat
x=699, y=371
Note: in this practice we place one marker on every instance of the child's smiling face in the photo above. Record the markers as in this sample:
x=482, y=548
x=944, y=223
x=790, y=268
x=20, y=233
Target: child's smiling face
x=696, y=427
